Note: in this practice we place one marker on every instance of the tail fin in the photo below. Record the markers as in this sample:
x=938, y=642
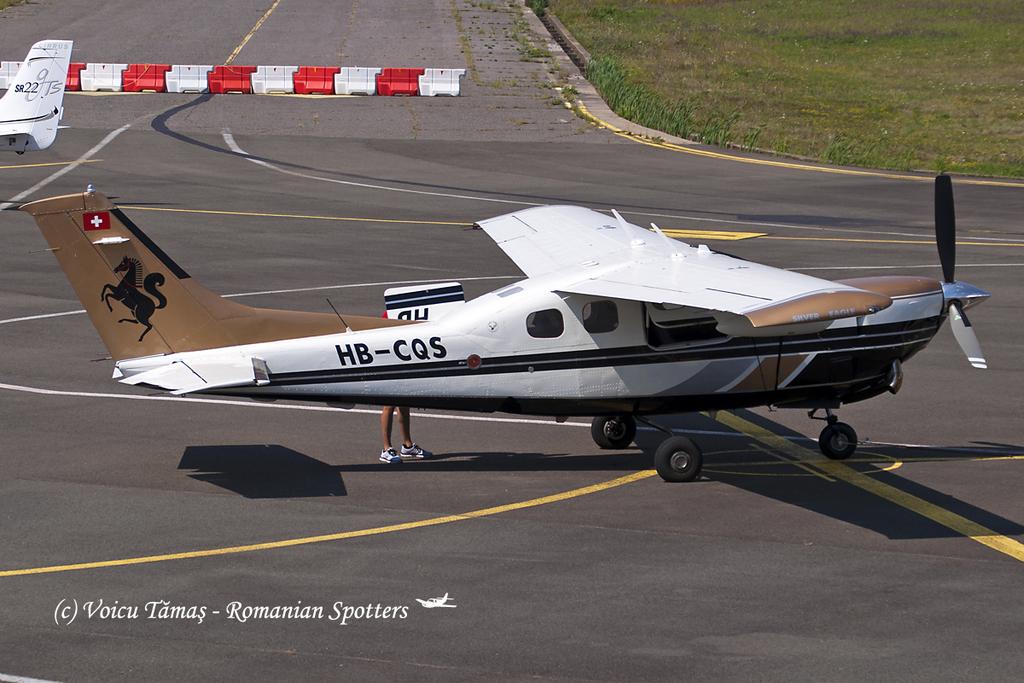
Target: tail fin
x=142, y=303
x=31, y=108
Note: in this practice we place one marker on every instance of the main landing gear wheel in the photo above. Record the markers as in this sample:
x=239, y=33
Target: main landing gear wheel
x=838, y=441
x=678, y=459
x=613, y=432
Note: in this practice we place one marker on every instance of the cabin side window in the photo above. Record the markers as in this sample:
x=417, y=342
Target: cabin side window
x=546, y=324
x=600, y=316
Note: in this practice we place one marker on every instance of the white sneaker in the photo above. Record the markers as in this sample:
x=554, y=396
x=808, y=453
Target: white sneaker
x=389, y=456
x=415, y=451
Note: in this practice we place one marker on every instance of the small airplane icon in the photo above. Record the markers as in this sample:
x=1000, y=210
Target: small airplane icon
x=430, y=603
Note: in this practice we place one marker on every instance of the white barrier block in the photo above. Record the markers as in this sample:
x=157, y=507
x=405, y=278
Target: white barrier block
x=441, y=82
x=8, y=70
x=106, y=77
x=190, y=78
x=356, y=80
x=268, y=79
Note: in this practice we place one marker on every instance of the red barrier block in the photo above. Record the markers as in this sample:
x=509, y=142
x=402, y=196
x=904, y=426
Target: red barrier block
x=139, y=77
x=315, y=79
x=225, y=79
x=74, y=80
x=399, y=81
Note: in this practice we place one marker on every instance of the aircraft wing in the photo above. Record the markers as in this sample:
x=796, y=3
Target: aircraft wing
x=585, y=252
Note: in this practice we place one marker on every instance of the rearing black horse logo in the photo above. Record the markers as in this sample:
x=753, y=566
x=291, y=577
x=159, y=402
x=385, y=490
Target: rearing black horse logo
x=129, y=292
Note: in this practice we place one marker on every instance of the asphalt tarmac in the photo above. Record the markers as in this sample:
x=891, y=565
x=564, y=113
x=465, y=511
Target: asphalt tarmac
x=563, y=561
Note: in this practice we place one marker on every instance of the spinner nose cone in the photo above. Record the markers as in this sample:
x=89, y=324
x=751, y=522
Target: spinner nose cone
x=964, y=292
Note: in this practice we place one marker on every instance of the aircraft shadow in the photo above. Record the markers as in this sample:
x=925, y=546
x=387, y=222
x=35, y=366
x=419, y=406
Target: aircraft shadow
x=262, y=471
x=839, y=500
x=733, y=458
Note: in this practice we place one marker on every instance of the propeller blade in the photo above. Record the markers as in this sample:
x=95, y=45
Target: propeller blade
x=965, y=336
x=945, y=225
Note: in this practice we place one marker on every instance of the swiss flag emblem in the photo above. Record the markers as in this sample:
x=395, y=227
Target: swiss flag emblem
x=96, y=220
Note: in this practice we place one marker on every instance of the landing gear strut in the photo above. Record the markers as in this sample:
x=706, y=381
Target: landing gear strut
x=838, y=440
x=613, y=432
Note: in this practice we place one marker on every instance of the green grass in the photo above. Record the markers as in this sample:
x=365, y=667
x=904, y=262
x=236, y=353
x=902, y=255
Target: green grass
x=930, y=84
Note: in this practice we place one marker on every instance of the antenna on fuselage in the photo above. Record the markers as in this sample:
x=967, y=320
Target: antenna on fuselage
x=347, y=328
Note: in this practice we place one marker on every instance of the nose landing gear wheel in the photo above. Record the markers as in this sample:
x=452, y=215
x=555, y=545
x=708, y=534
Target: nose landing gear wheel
x=613, y=432
x=838, y=441
x=678, y=459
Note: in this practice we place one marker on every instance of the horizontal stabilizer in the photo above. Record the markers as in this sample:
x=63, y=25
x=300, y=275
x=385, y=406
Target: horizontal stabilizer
x=181, y=377
x=423, y=302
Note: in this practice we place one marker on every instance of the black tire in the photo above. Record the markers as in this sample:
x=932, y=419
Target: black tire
x=678, y=459
x=838, y=441
x=613, y=432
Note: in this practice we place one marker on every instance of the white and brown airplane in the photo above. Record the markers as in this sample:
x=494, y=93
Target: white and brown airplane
x=31, y=109
x=612, y=320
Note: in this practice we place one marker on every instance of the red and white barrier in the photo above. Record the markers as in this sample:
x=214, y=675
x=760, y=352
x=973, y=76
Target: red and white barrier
x=225, y=79
x=274, y=79
x=145, y=78
x=399, y=81
x=441, y=82
x=188, y=78
x=356, y=80
x=103, y=77
x=74, y=80
x=306, y=80
x=8, y=70
x=315, y=80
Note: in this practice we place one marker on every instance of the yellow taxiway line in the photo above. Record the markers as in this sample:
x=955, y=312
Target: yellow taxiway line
x=959, y=243
x=252, y=32
x=774, y=162
x=51, y=163
x=711, y=234
x=952, y=521
x=257, y=214
x=326, y=538
x=682, y=233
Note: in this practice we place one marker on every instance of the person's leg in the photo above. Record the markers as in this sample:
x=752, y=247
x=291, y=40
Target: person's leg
x=409, y=447
x=386, y=416
x=403, y=423
x=388, y=453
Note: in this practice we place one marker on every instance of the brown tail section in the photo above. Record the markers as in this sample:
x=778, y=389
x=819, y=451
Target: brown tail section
x=143, y=303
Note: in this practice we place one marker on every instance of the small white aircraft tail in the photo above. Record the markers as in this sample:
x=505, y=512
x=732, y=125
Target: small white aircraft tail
x=32, y=107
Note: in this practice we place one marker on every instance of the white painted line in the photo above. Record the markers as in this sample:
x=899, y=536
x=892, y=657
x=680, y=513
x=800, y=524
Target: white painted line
x=233, y=145
x=795, y=226
x=70, y=167
x=8, y=678
x=371, y=284
x=283, y=406
x=927, y=265
x=40, y=317
x=230, y=140
x=291, y=291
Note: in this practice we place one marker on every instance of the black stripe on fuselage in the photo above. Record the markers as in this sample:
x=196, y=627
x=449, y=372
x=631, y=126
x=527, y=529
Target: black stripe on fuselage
x=893, y=335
